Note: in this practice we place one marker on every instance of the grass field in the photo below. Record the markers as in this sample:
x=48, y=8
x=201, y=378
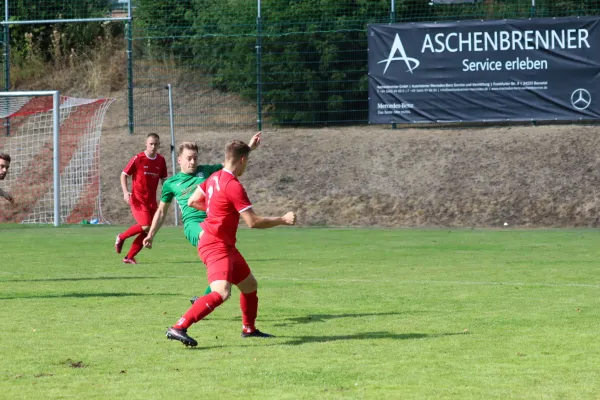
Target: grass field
x=358, y=313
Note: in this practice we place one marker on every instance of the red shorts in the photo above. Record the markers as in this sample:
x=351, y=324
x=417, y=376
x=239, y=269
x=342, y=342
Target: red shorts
x=223, y=263
x=143, y=216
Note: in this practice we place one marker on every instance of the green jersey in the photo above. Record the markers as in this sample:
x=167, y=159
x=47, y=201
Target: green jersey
x=181, y=187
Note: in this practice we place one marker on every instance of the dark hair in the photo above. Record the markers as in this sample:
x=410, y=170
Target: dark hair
x=153, y=135
x=187, y=145
x=5, y=157
x=236, y=150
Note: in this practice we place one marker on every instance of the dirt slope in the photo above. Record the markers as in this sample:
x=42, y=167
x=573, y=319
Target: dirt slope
x=376, y=176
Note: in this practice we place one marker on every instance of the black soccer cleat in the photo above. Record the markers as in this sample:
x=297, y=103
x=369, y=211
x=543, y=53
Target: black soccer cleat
x=256, y=333
x=193, y=299
x=182, y=336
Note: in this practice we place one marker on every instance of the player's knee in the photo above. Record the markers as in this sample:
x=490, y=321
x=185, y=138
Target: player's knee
x=252, y=284
x=248, y=285
x=221, y=287
x=225, y=293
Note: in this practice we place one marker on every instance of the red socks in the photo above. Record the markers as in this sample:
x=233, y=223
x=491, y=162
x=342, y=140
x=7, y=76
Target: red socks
x=137, y=245
x=207, y=303
x=132, y=231
x=249, y=307
x=201, y=308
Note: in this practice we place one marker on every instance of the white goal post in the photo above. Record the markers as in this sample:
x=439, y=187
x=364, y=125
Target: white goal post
x=54, y=144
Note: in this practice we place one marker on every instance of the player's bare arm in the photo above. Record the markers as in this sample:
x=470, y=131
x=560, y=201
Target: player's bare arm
x=6, y=195
x=197, y=199
x=257, y=222
x=157, y=221
x=255, y=141
x=126, y=192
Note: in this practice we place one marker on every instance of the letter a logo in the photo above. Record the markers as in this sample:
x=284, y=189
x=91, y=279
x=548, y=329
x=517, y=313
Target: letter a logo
x=411, y=63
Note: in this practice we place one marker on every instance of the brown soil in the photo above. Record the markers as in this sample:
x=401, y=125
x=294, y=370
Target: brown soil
x=543, y=176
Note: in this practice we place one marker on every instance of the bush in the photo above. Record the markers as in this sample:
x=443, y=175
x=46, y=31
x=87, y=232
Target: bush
x=314, y=65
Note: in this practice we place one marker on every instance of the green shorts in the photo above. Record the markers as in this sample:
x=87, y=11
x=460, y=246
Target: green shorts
x=192, y=231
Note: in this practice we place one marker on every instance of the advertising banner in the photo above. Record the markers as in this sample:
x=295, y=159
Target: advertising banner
x=506, y=70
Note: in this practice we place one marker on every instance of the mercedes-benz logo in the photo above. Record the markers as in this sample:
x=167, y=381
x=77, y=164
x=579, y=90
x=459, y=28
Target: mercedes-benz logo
x=581, y=99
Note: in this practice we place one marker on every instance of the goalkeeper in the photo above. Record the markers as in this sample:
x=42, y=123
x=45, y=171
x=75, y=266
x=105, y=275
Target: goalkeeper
x=181, y=186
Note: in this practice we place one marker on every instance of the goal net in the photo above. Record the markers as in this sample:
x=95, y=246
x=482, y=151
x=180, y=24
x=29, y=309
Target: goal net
x=49, y=183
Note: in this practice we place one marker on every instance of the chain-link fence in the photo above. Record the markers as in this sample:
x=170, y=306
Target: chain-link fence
x=284, y=62
x=37, y=35
x=243, y=63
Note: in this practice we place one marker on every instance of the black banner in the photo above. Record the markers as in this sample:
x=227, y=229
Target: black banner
x=507, y=70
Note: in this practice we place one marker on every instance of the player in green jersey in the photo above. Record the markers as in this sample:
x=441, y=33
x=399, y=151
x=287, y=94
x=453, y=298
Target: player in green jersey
x=181, y=186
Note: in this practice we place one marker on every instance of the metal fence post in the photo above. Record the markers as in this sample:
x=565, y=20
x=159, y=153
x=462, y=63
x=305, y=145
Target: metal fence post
x=532, y=15
x=172, y=127
x=129, y=34
x=258, y=68
x=393, y=21
x=6, y=60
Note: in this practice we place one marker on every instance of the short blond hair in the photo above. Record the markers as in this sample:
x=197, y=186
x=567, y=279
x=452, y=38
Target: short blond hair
x=187, y=146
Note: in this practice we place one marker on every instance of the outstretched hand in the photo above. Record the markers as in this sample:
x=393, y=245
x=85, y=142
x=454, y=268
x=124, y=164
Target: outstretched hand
x=289, y=218
x=255, y=141
x=147, y=242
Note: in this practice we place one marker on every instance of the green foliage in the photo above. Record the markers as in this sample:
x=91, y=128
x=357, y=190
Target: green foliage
x=55, y=9
x=55, y=42
x=314, y=52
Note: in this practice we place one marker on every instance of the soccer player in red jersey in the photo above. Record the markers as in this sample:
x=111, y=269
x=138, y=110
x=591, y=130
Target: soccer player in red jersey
x=224, y=199
x=4, y=166
x=146, y=169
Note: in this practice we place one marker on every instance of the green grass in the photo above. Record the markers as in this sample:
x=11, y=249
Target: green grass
x=358, y=313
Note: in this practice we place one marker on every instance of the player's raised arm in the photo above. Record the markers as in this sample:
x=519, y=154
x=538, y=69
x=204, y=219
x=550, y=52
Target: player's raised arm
x=157, y=221
x=198, y=199
x=257, y=222
x=255, y=141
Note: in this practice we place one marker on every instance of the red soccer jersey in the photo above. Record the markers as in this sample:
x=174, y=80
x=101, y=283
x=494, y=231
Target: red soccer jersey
x=225, y=200
x=145, y=173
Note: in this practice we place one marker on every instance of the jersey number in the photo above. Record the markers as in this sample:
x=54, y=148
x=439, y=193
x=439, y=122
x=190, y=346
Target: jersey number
x=211, y=191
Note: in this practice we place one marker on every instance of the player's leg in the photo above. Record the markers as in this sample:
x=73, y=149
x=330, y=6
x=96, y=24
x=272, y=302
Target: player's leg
x=133, y=230
x=192, y=231
x=205, y=305
x=246, y=282
x=144, y=220
x=136, y=247
x=219, y=269
x=207, y=291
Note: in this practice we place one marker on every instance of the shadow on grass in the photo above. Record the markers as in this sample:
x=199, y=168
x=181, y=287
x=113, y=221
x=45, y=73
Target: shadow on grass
x=298, y=340
x=173, y=262
x=84, y=295
x=99, y=278
x=326, y=317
